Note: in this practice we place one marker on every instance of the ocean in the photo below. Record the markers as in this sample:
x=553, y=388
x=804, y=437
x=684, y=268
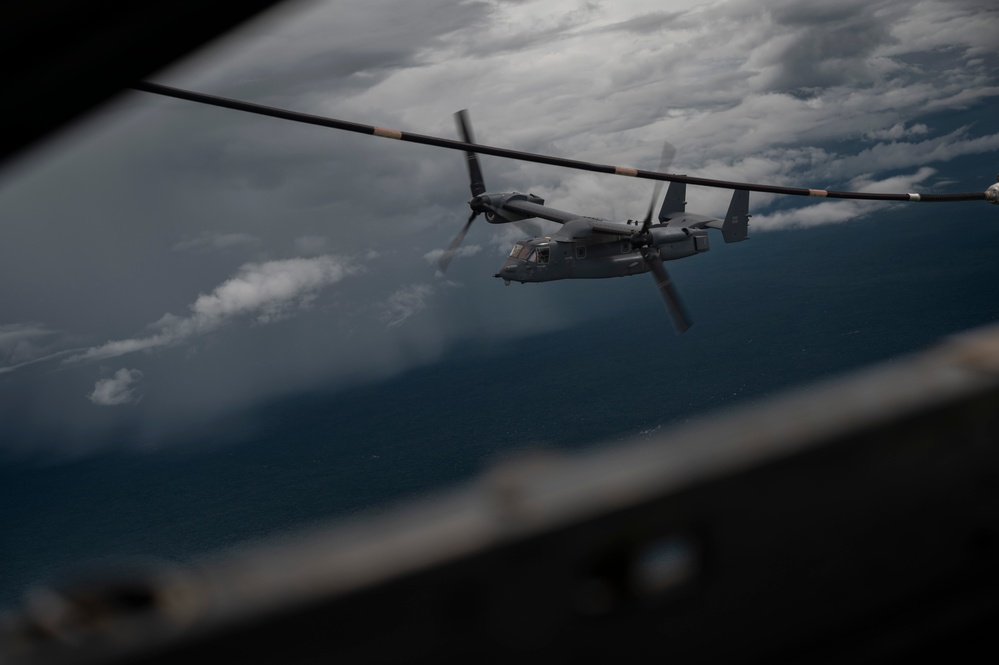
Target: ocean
x=770, y=315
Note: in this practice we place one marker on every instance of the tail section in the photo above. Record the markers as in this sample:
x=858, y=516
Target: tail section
x=675, y=200
x=736, y=225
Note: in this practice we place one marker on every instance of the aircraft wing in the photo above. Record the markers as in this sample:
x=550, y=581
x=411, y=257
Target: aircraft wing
x=529, y=209
x=603, y=230
x=586, y=226
x=613, y=228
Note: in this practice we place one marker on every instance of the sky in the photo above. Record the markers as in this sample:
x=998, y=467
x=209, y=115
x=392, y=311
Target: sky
x=165, y=261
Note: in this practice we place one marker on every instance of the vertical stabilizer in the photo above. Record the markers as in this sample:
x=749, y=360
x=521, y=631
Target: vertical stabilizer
x=736, y=226
x=675, y=200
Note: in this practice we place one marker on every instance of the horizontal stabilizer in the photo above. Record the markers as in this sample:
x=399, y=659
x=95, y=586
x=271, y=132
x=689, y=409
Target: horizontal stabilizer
x=736, y=225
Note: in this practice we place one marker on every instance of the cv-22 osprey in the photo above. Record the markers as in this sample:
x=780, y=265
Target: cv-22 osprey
x=585, y=247
x=592, y=248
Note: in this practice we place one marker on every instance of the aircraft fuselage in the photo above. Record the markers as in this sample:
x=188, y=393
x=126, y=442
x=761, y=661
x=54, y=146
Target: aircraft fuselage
x=546, y=258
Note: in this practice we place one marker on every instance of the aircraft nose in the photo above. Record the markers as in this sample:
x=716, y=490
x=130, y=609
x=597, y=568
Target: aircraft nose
x=506, y=270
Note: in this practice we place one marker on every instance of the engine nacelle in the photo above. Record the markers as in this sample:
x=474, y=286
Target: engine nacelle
x=666, y=235
x=491, y=203
x=673, y=243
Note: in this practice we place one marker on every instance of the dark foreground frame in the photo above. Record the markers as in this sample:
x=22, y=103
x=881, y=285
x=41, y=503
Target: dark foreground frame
x=855, y=520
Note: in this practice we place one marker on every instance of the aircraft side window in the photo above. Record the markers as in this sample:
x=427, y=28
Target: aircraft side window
x=543, y=255
x=580, y=251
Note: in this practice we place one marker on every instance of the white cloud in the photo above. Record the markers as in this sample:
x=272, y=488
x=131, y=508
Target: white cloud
x=404, y=303
x=118, y=390
x=903, y=154
x=266, y=291
x=837, y=211
x=899, y=183
x=897, y=131
x=827, y=212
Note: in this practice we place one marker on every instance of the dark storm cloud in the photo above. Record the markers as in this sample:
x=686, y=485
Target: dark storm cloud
x=345, y=51
x=647, y=23
x=497, y=37
x=826, y=44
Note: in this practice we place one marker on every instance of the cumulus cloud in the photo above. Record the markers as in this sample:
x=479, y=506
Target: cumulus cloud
x=265, y=292
x=897, y=131
x=217, y=241
x=404, y=303
x=118, y=390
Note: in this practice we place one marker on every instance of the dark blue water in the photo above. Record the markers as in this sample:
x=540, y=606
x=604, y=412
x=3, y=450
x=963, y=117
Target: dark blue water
x=775, y=312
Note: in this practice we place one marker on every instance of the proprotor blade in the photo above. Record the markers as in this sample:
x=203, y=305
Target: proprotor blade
x=671, y=297
x=475, y=179
x=445, y=260
x=664, y=161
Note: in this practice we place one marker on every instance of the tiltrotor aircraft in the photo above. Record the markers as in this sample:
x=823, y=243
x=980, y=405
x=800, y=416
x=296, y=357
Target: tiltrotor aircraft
x=584, y=247
x=592, y=248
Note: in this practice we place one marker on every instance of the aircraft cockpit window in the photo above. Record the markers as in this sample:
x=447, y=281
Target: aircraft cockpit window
x=543, y=253
x=521, y=251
